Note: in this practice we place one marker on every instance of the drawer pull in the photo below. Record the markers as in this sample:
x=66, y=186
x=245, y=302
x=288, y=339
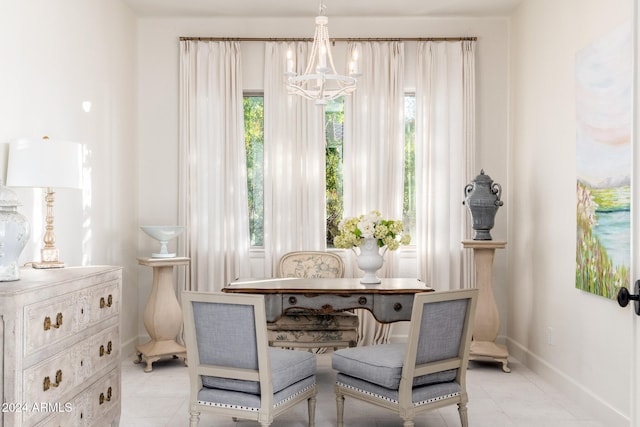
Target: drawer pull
x=293, y=300
x=107, y=398
x=48, y=325
x=47, y=384
x=397, y=306
x=362, y=300
x=107, y=351
x=107, y=303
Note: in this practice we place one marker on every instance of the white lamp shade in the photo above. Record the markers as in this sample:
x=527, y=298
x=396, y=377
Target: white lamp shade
x=44, y=163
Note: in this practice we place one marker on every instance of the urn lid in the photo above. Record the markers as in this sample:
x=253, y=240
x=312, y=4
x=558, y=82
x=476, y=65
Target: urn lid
x=8, y=197
x=483, y=178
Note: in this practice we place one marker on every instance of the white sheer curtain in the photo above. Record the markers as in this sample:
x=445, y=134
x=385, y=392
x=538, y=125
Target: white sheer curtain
x=212, y=173
x=445, y=146
x=374, y=151
x=294, y=161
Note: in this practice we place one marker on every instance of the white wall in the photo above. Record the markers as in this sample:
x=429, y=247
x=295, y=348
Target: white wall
x=55, y=55
x=589, y=350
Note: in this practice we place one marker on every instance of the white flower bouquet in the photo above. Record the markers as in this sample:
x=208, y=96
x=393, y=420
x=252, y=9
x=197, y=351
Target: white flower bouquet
x=354, y=231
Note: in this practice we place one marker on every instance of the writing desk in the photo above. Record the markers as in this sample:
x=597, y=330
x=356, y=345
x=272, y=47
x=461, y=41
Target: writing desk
x=389, y=301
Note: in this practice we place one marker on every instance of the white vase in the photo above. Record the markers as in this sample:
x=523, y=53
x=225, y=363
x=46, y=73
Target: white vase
x=370, y=261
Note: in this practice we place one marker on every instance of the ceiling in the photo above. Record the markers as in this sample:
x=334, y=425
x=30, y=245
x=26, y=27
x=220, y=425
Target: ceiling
x=307, y=8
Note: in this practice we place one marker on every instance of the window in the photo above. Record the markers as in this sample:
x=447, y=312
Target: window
x=409, y=199
x=334, y=125
x=254, y=145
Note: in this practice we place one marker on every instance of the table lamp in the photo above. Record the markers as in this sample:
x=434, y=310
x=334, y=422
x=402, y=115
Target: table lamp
x=49, y=164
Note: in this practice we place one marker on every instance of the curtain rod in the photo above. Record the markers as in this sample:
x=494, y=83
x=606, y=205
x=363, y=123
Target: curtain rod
x=349, y=39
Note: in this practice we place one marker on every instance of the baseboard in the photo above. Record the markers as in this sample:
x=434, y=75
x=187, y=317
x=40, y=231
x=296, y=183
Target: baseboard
x=590, y=402
x=128, y=348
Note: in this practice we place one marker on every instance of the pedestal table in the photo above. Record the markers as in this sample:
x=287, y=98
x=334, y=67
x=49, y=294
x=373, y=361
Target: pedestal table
x=162, y=314
x=487, y=321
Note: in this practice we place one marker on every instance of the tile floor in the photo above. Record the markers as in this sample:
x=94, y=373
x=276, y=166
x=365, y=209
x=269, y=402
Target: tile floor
x=496, y=399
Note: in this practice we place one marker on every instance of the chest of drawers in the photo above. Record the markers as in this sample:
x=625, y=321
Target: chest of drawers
x=60, y=347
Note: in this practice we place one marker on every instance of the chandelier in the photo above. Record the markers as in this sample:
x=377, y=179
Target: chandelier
x=320, y=82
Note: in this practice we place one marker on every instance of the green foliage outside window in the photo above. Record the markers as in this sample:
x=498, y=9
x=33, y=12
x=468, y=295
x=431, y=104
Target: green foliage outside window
x=254, y=144
x=409, y=199
x=334, y=126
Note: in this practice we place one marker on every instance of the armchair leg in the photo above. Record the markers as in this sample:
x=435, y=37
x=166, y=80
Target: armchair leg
x=462, y=410
x=311, y=404
x=194, y=419
x=340, y=407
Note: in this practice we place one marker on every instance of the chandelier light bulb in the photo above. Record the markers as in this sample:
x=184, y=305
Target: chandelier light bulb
x=322, y=63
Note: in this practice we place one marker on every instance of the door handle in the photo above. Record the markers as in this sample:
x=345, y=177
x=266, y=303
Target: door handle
x=624, y=296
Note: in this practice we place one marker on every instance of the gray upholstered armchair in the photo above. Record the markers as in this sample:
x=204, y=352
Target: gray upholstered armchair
x=232, y=370
x=304, y=329
x=427, y=372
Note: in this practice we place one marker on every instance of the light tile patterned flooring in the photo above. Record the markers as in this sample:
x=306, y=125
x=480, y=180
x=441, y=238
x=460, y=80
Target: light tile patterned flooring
x=496, y=399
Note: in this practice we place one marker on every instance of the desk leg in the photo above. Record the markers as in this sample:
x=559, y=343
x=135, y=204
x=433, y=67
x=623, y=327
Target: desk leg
x=162, y=319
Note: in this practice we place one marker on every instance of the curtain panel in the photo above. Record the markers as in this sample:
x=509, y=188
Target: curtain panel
x=294, y=161
x=445, y=158
x=373, y=160
x=212, y=168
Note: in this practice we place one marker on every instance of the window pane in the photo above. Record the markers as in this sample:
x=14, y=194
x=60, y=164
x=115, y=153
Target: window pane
x=334, y=124
x=254, y=144
x=409, y=203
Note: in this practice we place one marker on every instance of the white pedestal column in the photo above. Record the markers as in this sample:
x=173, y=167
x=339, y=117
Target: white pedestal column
x=487, y=321
x=162, y=314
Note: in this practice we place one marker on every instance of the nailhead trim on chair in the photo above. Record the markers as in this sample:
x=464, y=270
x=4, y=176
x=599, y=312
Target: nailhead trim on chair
x=291, y=397
x=246, y=408
x=424, y=402
x=224, y=405
x=435, y=399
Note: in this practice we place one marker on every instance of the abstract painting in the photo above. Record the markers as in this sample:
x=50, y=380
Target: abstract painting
x=604, y=72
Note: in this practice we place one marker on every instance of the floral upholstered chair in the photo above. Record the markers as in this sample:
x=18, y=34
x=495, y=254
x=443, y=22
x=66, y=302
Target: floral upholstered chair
x=304, y=329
